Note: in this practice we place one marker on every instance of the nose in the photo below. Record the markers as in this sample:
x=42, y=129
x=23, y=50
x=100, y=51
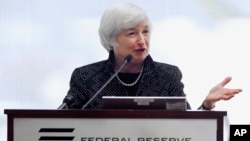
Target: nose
x=141, y=39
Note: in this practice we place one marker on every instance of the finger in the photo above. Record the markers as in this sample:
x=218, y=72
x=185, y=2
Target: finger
x=233, y=91
x=228, y=97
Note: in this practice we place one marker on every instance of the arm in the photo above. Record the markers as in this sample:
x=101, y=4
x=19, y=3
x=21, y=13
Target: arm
x=77, y=89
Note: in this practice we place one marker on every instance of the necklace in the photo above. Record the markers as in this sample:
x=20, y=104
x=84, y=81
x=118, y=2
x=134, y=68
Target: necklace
x=131, y=84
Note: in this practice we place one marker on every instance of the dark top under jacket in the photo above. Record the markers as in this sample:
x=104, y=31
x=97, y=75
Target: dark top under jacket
x=158, y=79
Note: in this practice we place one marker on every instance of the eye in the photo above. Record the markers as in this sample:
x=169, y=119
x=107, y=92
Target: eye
x=146, y=31
x=131, y=33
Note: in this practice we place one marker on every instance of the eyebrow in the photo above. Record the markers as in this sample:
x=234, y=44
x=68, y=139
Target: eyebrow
x=133, y=28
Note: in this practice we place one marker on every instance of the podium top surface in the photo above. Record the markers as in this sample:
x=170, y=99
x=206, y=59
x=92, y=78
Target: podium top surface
x=47, y=113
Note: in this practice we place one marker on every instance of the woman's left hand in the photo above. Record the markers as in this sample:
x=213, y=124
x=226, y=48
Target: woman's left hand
x=218, y=92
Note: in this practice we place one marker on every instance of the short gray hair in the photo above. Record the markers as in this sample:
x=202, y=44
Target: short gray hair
x=117, y=18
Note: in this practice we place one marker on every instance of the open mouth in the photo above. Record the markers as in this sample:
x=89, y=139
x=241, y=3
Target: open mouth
x=140, y=50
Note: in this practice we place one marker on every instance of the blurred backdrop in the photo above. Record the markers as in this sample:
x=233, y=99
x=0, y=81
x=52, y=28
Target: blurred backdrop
x=42, y=41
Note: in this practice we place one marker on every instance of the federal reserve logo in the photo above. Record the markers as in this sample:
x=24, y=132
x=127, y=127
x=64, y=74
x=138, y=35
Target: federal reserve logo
x=66, y=134
x=56, y=134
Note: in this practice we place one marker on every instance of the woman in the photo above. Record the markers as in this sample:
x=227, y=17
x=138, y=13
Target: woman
x=125, y=29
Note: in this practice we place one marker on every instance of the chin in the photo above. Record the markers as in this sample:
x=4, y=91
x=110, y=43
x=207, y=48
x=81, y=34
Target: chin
x=139, y=59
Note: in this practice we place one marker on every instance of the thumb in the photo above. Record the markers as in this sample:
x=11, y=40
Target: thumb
x=225, y=81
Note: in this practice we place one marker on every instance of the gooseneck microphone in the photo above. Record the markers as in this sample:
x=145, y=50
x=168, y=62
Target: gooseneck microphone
x=68, y=101
x=127, y=59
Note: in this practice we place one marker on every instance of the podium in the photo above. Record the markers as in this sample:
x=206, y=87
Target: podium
x=116, y=125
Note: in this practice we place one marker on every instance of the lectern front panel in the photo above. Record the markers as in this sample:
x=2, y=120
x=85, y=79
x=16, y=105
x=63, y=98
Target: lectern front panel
x=122, y=129
x=116, y=125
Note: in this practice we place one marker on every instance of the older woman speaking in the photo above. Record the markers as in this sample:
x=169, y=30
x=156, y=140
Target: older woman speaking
x=125, y=31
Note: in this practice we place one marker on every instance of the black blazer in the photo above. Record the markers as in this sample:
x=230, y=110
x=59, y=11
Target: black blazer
x=158, y=79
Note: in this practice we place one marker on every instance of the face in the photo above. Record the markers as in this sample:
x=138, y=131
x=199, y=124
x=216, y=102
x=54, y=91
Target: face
x=134, y=41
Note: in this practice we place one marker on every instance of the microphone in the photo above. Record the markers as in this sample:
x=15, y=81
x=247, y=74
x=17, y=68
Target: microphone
x=68, y=101
x=127, y=59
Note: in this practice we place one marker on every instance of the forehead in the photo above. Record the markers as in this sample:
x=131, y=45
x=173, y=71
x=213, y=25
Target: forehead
x=143, y=24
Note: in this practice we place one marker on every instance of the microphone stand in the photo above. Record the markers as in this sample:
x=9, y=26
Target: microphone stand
x=127, y=59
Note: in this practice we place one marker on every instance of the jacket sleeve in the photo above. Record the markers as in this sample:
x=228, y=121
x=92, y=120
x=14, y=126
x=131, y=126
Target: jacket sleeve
x=176, y=87
x=77, y=89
